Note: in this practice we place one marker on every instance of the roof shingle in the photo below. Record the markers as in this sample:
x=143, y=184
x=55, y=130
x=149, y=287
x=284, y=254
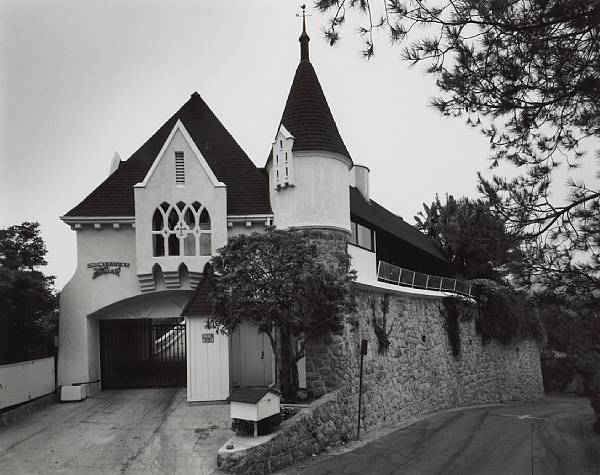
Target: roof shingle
x=307, y=115
x=247, y=188
x=372, y=212
x=250, y=395
x=199, y=303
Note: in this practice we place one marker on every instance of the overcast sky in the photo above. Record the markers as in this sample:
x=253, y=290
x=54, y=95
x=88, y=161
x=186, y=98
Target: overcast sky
x=81, y=79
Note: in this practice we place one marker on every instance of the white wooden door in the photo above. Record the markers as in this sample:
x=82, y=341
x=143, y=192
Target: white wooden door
x=207, y=362
x=252, y=357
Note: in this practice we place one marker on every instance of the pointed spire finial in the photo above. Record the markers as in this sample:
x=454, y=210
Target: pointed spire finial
x=304, y=38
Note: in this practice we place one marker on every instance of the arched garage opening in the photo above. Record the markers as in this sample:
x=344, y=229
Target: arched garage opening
x=142, y=342
x=142, y=353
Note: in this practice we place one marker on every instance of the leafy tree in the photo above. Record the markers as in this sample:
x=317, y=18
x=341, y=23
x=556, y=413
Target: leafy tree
x=527, y=73
x=280, y=282
x=28, y=317
x=479, y=248
x=472, y=238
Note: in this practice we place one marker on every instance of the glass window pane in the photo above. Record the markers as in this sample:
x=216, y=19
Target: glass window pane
x=189, y=218
x=205, y=244
x=173, y=219
x=173, y=245
x=158, y=245
x=204, y=221
x=189, y=245
x=353, y=239
x=364, y=237
x=157, y=220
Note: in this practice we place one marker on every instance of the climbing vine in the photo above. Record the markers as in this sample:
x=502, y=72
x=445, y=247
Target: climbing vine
x=503, y=314
x=380, y=326
x=455, y=310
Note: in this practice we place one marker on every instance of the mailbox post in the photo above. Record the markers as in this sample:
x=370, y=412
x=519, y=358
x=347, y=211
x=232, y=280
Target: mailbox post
x=363, y=352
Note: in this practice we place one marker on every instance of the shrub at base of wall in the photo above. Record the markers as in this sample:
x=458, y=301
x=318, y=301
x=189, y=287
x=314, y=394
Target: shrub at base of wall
x=327, y=421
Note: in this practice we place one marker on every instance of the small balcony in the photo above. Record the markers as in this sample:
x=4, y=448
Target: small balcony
x=370, y=271
x=392, y=274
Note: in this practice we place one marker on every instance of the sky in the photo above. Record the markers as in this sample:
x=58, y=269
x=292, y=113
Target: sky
x=82, y=79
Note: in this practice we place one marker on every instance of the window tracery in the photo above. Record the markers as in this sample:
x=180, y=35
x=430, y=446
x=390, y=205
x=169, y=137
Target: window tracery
x=181, y=230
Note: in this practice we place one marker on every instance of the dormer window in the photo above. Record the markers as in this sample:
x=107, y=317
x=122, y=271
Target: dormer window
x=181, y=230
x=283, y=169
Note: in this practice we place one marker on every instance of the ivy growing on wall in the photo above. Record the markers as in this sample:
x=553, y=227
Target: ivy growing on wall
x=503, y=314
x=380, y=325
x=454, y=311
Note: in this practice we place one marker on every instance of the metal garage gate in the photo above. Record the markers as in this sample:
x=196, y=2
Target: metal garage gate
x=142, y=353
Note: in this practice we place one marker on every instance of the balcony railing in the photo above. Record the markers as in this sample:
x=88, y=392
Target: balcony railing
x=392, y=274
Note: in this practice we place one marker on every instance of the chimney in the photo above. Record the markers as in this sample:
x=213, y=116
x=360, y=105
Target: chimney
x=361, y=180
x=114, y=163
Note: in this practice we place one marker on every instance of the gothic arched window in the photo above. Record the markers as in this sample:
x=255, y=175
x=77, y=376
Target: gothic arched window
x=181, y=230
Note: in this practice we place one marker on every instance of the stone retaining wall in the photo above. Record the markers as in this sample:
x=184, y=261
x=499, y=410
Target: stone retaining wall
x=325, y=422
x=416, y=375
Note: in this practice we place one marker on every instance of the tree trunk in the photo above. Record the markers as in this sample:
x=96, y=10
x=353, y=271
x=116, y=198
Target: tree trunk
x=288, y=373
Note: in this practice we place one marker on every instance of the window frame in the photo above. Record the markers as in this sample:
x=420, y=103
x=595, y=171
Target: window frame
x=181, y=230
x=354, y=235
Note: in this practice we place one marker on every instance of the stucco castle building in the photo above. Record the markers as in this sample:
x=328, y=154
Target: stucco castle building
x=145, y=234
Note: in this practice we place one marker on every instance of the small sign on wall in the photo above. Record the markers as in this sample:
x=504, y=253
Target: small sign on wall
x=208, y=338
x=101, y=268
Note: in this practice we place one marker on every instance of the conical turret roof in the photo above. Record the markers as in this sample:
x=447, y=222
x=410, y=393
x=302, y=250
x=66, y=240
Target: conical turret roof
x=307, y=115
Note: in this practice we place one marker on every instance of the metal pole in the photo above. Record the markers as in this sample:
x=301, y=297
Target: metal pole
x=363, y=352
x=360, y=396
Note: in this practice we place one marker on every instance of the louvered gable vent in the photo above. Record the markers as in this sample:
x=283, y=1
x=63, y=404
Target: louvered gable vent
x=179, y=168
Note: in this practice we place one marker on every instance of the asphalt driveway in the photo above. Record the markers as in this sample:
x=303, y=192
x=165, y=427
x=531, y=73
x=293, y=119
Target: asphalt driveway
x=131, y=431
x=541, y=439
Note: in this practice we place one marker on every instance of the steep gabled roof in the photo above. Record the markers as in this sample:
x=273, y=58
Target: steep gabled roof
x=247, y=188
x=372, y=212
x=199, y=303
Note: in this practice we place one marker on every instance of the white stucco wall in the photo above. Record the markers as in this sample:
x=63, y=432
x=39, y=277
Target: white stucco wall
x=364, y=262
x=83, y=294
x=161, y=187
x=84, y=299
x=319, y=197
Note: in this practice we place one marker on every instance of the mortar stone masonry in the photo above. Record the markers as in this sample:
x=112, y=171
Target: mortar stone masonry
x=416, y=375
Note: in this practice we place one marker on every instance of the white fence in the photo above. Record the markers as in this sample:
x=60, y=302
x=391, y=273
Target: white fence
x=20, y=382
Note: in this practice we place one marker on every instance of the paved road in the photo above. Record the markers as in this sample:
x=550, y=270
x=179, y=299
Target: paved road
x=543, y=439
x=149, y=431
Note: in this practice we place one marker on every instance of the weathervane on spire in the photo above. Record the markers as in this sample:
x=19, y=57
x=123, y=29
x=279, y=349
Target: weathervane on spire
x=304, y=38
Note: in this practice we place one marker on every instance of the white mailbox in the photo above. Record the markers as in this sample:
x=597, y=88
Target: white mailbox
x=254, y=404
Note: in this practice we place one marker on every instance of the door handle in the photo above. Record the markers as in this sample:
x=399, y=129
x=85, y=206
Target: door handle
x=262, y=355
